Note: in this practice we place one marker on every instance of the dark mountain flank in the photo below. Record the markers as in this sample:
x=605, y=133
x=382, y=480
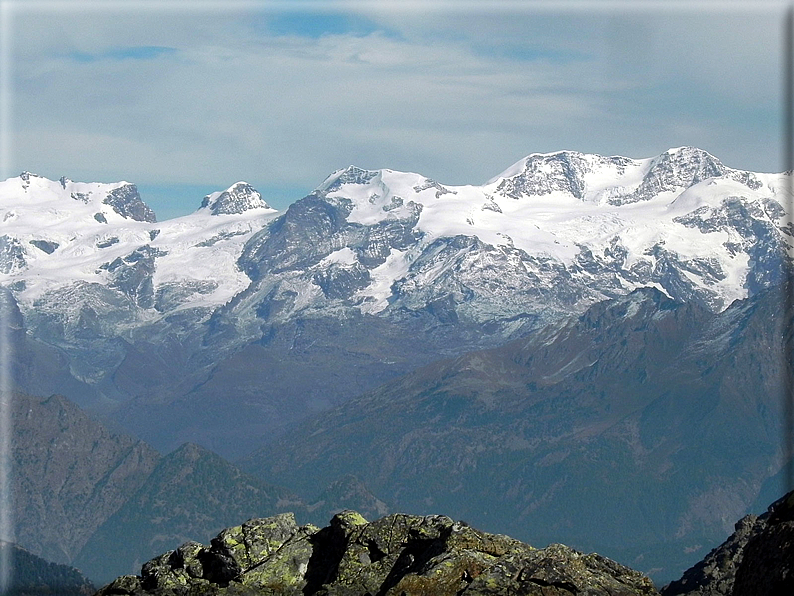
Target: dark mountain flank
x=105, y=502
x=638, y=429
x=398, y=554
x=33, y=576
x=758, y=558
x=191, y=495
x=69, y=474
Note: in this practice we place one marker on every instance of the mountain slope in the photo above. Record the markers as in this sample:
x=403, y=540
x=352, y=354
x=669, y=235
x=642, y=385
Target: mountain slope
x=626, y=405
x=70, y=474
x=150, y=315
x=34, y=576
x=104, y=502
x=190, y=495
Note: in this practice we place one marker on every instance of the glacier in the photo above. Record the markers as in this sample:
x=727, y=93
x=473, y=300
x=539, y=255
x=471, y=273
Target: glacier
x=440, y=267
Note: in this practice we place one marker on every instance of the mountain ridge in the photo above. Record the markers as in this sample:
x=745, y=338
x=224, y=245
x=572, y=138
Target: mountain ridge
x=78, y=487
x=625, y=403
x=461, y=267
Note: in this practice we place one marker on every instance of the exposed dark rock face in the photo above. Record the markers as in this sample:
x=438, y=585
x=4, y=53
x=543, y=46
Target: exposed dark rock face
x=758, y=558
x=768, y=563
x=565, y=171
x=543, y=174
x=126, y=201
x=12, y=255
x=315, y=227
x=133, y=274
x=397, y=554
x=753, y=223
x=351, y=175
x=675, y=168
x=108, y=242
x=715, y=574
x=45, y=246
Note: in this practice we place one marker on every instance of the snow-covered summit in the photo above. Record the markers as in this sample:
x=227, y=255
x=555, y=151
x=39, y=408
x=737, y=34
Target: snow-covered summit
x=615, y=180
x=526, y=201
x=592, y=178
x=238, y=198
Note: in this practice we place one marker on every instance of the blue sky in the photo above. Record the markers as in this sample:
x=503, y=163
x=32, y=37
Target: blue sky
x=184, y=98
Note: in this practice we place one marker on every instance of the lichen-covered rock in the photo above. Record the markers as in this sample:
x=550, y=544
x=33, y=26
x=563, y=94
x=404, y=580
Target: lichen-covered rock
x=255, y=540
x=284, y=570
x=397, y=555
x=126, y=584
x=558, y=570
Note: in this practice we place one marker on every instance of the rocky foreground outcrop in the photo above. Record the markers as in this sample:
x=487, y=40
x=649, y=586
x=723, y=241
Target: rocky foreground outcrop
x=396, y=555
x=758, y=558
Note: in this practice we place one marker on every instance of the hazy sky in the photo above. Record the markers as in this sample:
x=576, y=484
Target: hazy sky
x=187, y=97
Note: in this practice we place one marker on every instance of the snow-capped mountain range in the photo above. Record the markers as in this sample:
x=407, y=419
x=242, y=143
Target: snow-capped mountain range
x=551, y=235
x=59, y=235
x=548, y=237
x=605, y=224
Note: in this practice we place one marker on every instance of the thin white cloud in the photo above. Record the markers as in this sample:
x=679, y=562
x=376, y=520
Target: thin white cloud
x=455, y=96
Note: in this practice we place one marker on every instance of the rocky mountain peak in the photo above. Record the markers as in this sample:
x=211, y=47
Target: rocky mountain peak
x=582, y=175
x=349, y=175
x=126, y=201
x=42, y=194
x=544, y=173
x=685, y=166
x=190, y=451
x=25, y=178
x=238, y=198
